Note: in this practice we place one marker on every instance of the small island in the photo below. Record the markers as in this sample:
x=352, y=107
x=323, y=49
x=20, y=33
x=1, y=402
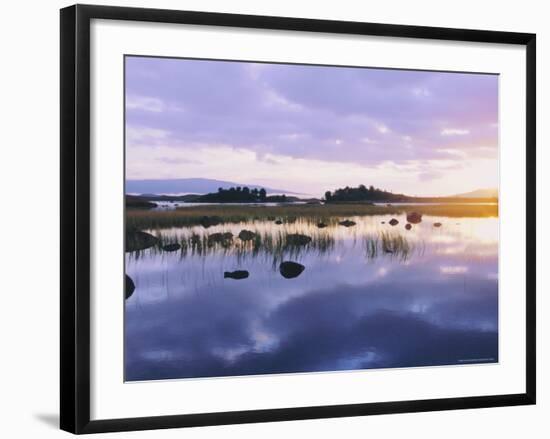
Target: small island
x=362, y=194
x=242, y=194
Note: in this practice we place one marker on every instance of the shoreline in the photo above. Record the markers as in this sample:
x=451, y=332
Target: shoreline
x=220, y=213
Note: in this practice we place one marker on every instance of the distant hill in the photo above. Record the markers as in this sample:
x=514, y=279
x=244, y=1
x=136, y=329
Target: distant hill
x=189, y=186
x=479, y=193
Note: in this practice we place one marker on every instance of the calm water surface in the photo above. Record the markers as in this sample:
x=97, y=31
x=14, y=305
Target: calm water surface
x=432, y=301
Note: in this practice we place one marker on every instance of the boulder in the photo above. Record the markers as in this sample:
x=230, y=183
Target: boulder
x=437, y=224
x=297, y=239
x=129, y=286
x=209, y=221
x=393, y=222
x=414, y=217
x=290, y=270
x=278, y=222
x=246, y=235
x=137, y=240
x=237, y=274
x=171, y=247
x=408, y=226
x=347, y=223
x=321, y=225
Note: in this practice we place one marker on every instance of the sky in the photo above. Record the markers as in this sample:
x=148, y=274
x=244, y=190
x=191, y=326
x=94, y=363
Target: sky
x=309, y=129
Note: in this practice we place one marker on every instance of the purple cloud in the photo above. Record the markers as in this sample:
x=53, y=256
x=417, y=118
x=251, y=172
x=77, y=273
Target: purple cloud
x=357, y=115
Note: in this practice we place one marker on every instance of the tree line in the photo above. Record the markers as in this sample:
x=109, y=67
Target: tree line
x=238, y=194
x=362, y=193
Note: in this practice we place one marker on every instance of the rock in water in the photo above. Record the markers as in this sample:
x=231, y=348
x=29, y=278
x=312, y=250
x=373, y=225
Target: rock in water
x=347, y=223
x=290, y=270
x=408, y=227
x=246, y=235
x=393, y=222
x=129, y=286
x=297, y=239
x=437, y=224
x=137, y=240
x=321, y=225
x=238, y=274
x=171, y=247
x=208, y=221
x=278, y=222
x=414, y=217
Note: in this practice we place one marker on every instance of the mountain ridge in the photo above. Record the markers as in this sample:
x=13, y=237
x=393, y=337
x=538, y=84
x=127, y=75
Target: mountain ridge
x=479, y=193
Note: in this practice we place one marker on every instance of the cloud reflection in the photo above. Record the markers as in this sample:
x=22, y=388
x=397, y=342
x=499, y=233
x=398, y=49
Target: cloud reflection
x=322, y=330
x=336, y=316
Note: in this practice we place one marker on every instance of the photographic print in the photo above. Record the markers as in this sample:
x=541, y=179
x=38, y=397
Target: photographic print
x=293, y=218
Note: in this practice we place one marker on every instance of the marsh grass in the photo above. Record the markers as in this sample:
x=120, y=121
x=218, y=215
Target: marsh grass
x=276, y=247
x=277, y=242
x=288, y=214
x=371, y=247
x=395, y=244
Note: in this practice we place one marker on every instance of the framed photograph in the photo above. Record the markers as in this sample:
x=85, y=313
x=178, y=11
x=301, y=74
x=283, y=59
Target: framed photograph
x=274, y=218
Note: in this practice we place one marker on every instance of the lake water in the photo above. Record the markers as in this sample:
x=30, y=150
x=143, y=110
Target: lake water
x=169, y=205
x=370, y=296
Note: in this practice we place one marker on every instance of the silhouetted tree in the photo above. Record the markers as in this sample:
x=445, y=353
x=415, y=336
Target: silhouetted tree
x=263, y=194
x=361, y=193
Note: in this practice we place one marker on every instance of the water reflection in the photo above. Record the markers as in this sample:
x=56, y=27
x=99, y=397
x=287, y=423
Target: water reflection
x=357, y=303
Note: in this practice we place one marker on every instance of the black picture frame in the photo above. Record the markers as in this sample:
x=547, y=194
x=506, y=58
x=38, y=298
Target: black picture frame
x=75, y=217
